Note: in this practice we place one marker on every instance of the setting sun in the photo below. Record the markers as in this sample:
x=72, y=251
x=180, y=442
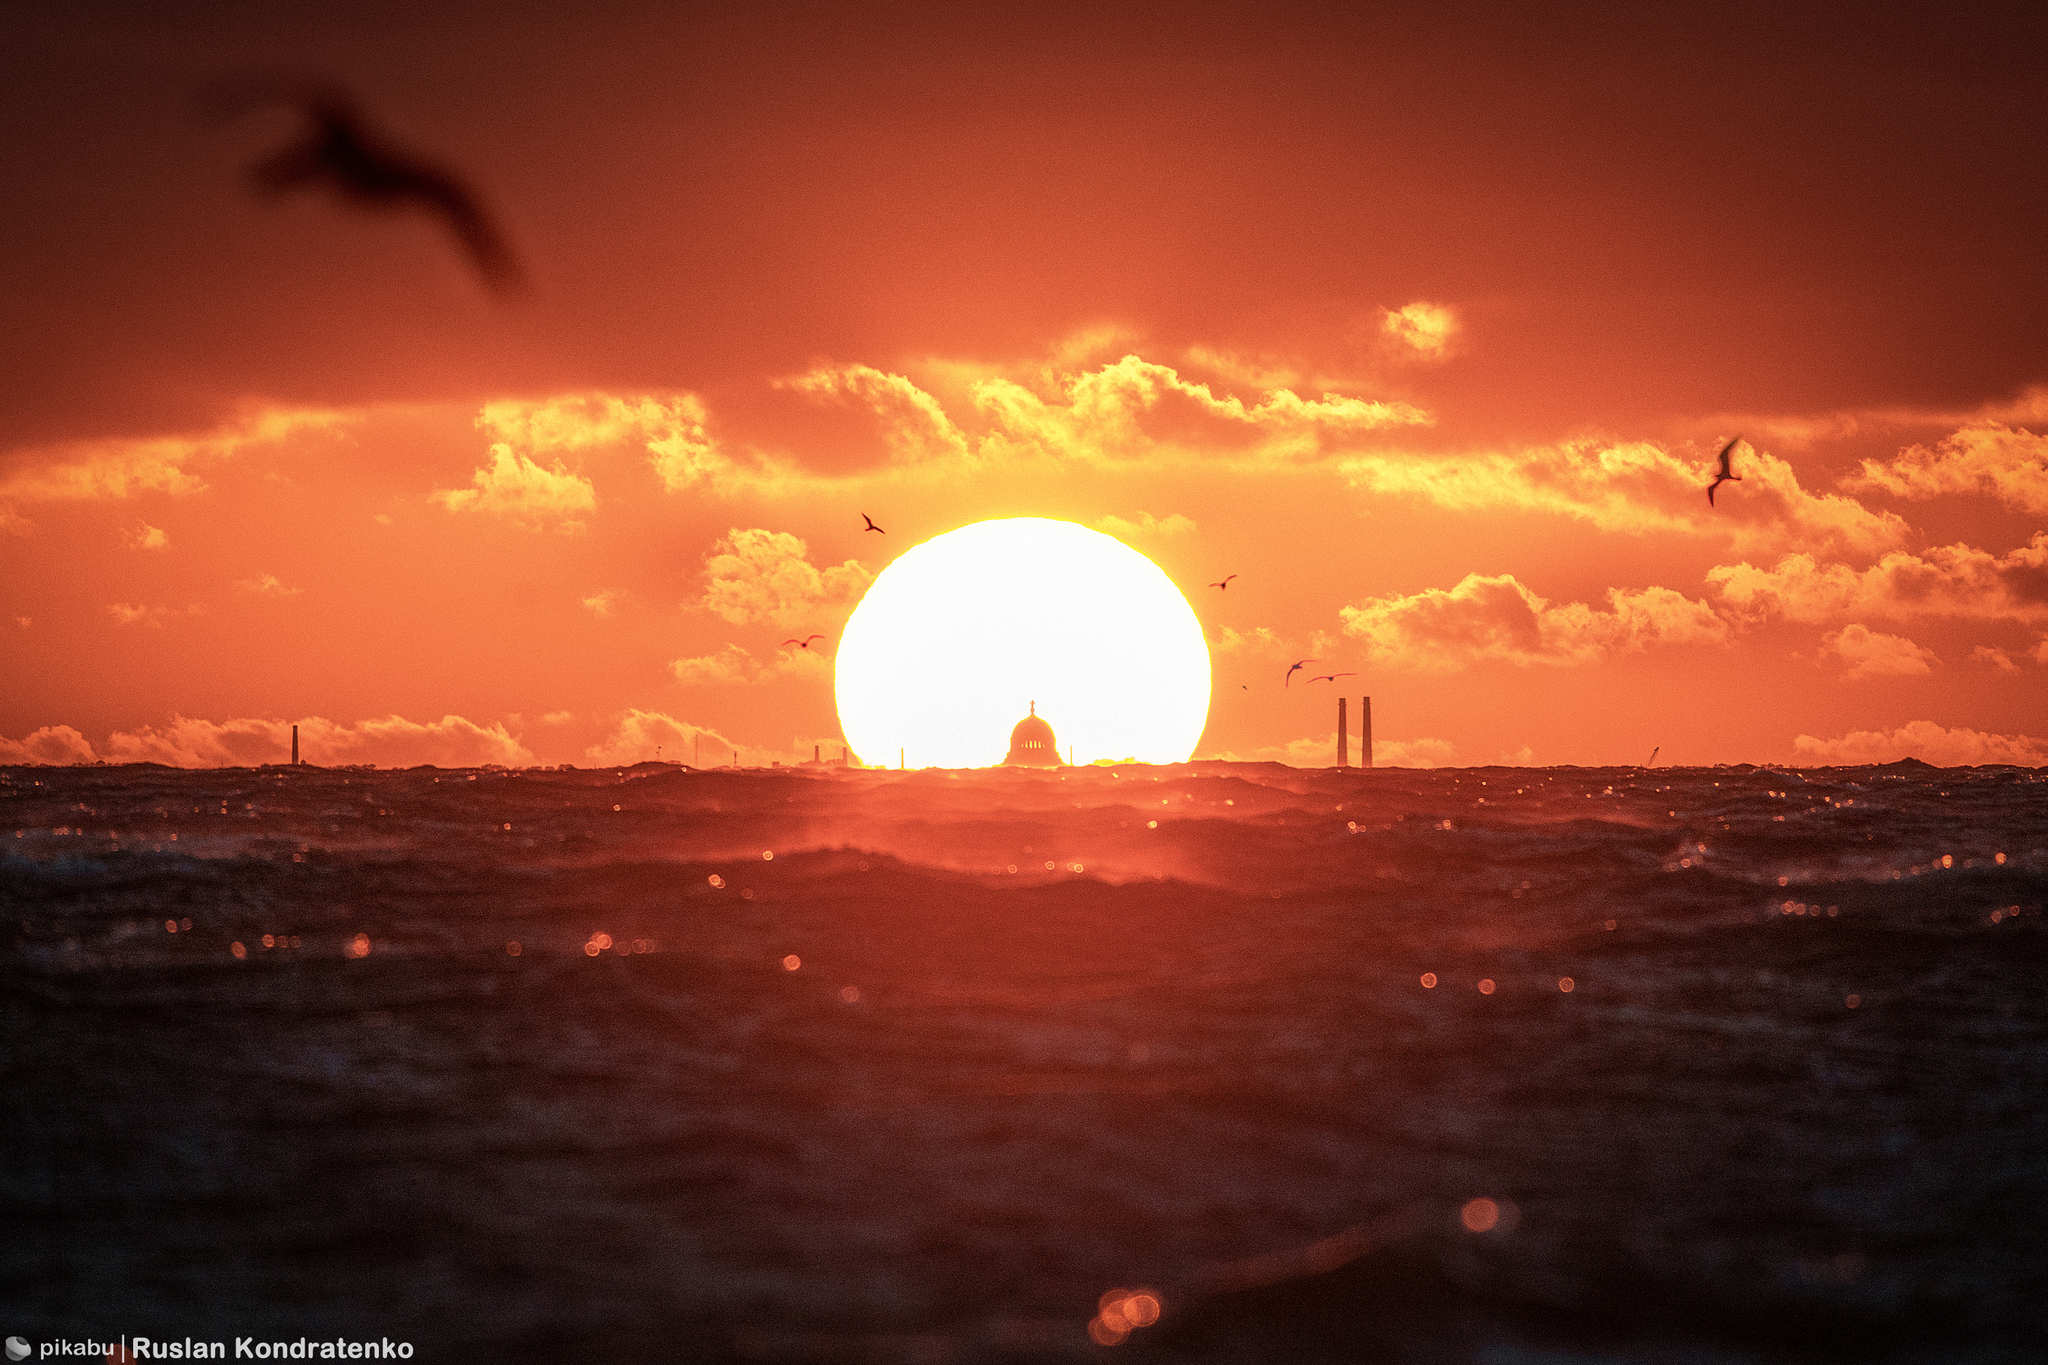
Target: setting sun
x=960, y=636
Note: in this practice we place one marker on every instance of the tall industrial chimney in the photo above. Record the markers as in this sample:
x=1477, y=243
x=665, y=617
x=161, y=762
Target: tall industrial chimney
x=295, y=746
x=1343, y=737
x=1365, y=735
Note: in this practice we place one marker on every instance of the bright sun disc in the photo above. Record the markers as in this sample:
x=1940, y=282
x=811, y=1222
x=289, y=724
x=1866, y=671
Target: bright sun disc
x=957, y=638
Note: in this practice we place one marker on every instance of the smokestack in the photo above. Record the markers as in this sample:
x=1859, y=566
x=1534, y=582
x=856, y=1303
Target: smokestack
x=1365, y=735
x=1343, y=737
x=295, y=746
x=814, y=753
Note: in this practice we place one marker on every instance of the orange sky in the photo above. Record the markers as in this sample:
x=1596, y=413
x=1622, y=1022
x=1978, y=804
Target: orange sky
x=1424, y=323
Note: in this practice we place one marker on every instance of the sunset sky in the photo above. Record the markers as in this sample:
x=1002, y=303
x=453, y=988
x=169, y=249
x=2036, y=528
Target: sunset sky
x=1424, y=322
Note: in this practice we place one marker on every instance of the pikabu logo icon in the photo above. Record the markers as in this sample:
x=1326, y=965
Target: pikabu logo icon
x=17, y=1349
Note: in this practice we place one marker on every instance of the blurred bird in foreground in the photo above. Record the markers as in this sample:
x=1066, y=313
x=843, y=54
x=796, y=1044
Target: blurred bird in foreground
x=1726, y=473
x=341, y=153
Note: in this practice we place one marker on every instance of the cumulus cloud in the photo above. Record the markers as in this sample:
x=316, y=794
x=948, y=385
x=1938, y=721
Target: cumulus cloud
x=760, y=575
x=267, y=585
x=2006, y=463
x=451, y=742
x=1172, y=524
x=650, y=736
x=600, y=604
x=148, y=537
x=88, y=470
x=1425, y=328
x=914, y=425
x=1257, y=640
x=1635, y=487
x=1926, y=741
x=736, y=665
x=1949, y=580
x=513, y=486
x=672, y=428
x=1871, y=654
x=56, y=744
x=1994, y=657
x=135, y=614
x=1121, y=412
x=1495, y=617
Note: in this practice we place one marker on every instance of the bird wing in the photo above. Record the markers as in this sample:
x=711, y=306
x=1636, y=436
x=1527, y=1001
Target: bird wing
x=1726, y=451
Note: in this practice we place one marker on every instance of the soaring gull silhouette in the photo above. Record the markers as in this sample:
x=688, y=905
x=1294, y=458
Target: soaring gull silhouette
x=341, y=153
x=804, y=643
x=1288, y=681
x=1726, y=473
x=1331, y=677
x=871, y=524
x=1225, y=584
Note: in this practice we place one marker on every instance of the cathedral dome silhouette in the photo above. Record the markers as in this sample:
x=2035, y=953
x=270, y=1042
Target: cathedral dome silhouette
x=1032, y=744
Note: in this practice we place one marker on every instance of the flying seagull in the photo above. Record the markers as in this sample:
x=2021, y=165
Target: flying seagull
x=342, y=153
x=1288, y=681
x=1225, y=584
x=1726, y=473
x=804, y=643
x=1332, y=677
x=1653, y=757
x=871, y=525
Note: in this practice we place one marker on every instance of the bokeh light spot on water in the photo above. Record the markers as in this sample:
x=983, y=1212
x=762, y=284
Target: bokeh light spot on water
x=359, y=946
x=1948, y=860
x=1486, y=986
x=591, y=950
x=850, y=994
x=1480, y=1215
x=1151, y=824
x=1610, y=924
x=767, y=855
x=603, y=941
x=1998, y=858
x=1853, y=1001
x=717, y=882
x=1567, y=985
x=1784, y=881
x=512, y=948
x=170, y=926
x=792, y=962
x=1429, y=981
x=238, y=950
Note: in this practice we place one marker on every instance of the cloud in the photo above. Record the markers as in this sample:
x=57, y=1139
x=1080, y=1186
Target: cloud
x=599, y=604
x=1172, y=524
x=2010, y=465
x=1994, y=657
x=87, y=470
x=1498, y=618
x=645, y=736
x=450, y=742
x=915, y=427
x=514, y=487
x=1949, y=580
x=135, y=614
x=1123, y=412
x=58, y=744
x=267, y=585
x=1426, y=328
x=1137, y=410
x=1926, y=741
x=736, y=665
x=1873, y=655
x=149, y=537
x=1634, y=488
x=760, y=575
x=1259, y=640
x=672, y=428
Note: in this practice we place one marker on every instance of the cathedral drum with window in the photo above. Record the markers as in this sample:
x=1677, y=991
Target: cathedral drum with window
x=1032, y=744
